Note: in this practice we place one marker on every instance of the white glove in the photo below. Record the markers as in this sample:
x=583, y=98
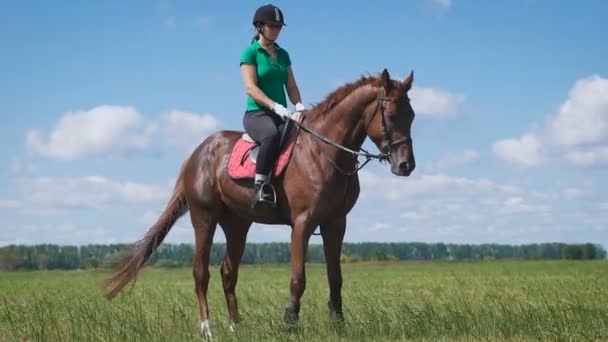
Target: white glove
x=300, y=107
x=279, y=109
x=296, y=116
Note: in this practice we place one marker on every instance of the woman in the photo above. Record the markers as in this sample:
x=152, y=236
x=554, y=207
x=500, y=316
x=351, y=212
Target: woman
x=266, y=71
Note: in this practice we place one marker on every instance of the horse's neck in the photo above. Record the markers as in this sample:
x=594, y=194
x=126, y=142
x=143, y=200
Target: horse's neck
x=344, y=124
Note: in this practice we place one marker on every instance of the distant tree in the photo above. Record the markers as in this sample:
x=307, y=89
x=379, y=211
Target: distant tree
x=588, y=251
x=381, y=255
x=315, y=254
x=91, y=263
x=439, y=251
x=43, y=262
x=166, y=263
x=348, y=258
x=48, y=256
x=572, y=252
x=600, y=252
x=112, y=260
x=9, y=260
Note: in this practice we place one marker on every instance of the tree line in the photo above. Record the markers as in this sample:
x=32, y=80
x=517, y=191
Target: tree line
x=49, y=256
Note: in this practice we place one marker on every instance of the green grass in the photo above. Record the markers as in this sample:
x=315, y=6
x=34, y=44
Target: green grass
x=500, y=300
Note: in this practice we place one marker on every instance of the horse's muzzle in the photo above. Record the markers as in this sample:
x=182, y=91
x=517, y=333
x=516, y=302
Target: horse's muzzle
x=404, y=168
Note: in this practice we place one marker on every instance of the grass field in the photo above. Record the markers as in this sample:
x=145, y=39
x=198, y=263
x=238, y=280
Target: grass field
x=500, y=300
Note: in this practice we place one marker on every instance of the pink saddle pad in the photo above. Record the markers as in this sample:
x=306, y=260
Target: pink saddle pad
x=240, y=165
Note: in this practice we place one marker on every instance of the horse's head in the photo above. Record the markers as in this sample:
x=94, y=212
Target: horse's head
x=390, y=119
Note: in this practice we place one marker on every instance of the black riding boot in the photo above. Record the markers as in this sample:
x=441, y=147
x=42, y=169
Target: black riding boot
x=264, y=194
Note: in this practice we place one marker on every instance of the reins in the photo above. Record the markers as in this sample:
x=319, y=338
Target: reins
x=381, y=157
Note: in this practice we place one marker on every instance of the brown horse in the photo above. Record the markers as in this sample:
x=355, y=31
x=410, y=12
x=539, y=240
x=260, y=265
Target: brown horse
x=319, y=187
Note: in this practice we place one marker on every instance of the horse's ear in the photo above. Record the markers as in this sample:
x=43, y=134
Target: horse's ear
x=385, y=81
x=408, y=81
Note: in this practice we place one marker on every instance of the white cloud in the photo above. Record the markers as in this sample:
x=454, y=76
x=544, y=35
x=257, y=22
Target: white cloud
x=187, y=129
x=443, y=5
x=10, y=204
x=518, y=205
x=426, y=208
x=58, y=233
x=524, y=151
x=583, y=118
x=92, y=191
x=413, y=215
x=42, y=211
x=441, y=207
x=435, y=102
x=379, y=226
x=577, y=133
x=107, y=130
x=96, y=132
x=149, y=217
x=453, y=160
x=397, y=188
x=18, y=166
x=576, y=192
x=601, y=228
x=435, y=197
x=594, y=156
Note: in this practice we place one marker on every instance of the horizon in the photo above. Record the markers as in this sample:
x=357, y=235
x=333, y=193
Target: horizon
x=510, y=135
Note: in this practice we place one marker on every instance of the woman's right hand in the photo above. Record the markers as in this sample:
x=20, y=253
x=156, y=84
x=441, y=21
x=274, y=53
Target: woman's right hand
x=281, y=110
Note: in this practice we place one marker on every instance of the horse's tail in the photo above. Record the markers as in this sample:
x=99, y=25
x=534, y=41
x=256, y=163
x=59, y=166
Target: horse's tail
x=131, y=263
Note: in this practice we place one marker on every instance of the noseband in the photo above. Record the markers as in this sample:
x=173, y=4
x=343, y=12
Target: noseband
x=387, y=145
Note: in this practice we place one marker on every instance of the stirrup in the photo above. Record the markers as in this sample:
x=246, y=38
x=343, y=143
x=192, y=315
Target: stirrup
x=259, y=195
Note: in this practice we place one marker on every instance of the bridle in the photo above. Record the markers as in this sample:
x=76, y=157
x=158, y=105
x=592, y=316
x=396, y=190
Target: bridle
x=387, y=145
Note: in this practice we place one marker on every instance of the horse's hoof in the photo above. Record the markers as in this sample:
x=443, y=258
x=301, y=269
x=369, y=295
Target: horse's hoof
x=233, y=326
x=206, y=330
x=336, y=317
x=335, y=312
x=289, y=328
x=291, y=320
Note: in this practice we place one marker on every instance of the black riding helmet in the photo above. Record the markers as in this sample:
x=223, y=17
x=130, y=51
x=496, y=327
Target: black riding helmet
x=268, y=14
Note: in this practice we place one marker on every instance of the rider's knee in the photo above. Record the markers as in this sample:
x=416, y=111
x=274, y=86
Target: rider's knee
x=272, y=138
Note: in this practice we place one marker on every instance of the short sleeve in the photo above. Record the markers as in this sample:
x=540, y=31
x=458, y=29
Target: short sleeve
x=248, y=56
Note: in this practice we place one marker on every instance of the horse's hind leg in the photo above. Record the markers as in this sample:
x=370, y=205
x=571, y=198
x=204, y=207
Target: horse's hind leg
x=333, y=235
x=204, y=222
x=235, y=229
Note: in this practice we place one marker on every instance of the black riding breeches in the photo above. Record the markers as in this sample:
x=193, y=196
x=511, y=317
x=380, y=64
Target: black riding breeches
x=264, y=127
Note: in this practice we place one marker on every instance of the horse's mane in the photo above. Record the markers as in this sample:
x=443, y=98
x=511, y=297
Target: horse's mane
x=338, y=95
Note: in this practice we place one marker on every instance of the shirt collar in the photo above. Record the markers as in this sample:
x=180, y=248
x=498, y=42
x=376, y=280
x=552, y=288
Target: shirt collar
x=258, y=46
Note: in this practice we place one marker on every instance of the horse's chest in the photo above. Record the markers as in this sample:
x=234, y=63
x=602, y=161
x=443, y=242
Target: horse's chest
x=337, y=198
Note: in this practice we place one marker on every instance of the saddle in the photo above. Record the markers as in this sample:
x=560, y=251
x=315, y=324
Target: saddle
x=241, y=164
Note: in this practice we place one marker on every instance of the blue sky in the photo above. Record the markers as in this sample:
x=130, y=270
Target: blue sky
x=101, y=102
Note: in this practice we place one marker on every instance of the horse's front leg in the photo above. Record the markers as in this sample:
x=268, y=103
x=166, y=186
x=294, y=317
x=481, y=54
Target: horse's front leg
x=333, y=235
x=302, y=230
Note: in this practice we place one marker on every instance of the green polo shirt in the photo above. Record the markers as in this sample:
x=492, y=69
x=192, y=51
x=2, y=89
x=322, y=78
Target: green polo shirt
x=271, y=77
